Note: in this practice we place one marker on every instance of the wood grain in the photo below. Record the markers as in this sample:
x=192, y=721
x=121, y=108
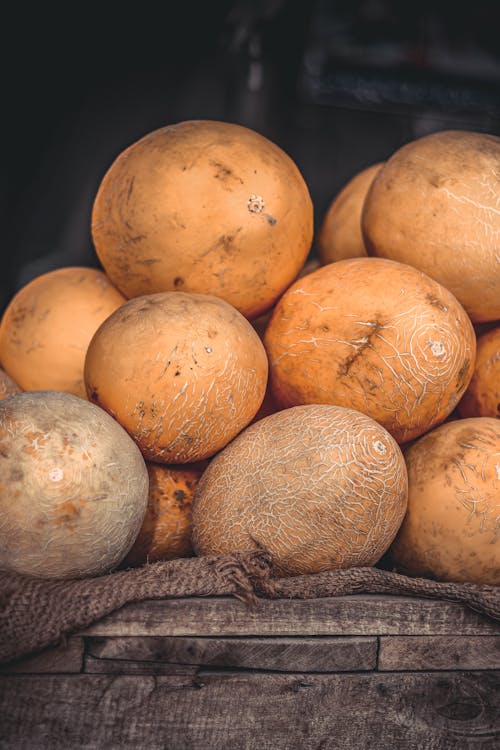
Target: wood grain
x=92, y=665
x=439, y=652
x=347, y=615
x=67, y=657
x=245, y=711
x=154, y=655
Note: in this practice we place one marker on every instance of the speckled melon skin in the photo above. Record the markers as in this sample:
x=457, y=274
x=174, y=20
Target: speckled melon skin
x=451, y=531
x=182, y=373
x=373, y=335
x=166, y=530
x=320, y=487
x=206, y=207
x=73, y=487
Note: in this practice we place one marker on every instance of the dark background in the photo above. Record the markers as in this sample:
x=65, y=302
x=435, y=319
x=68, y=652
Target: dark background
x=338, y=85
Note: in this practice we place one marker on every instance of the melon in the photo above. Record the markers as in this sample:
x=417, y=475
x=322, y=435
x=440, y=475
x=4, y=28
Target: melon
x=373, y=335
x=320, y=487
x=451, y=529
x=340, y=235
x=182, y=373
x=435, y=205
x=73, y=487
x=165, y=533
x=206, y=207
x=482, y=397
x=47, y=327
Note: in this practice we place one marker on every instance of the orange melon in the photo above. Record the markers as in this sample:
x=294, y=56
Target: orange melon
x=482, y=397
x=182, y=373
x=47, y=327
x=376, y=336
x=435, y=205
x=450, y=531
x=166, y=530
x=340, y=235
x=205, y=207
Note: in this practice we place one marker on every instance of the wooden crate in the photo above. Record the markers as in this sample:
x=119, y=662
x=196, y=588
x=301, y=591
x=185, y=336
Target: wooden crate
x=350, y=672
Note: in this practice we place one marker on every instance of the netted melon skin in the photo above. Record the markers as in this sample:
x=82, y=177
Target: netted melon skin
x=320, y=487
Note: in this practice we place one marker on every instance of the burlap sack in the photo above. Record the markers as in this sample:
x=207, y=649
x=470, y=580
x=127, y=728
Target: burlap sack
x=36, y=613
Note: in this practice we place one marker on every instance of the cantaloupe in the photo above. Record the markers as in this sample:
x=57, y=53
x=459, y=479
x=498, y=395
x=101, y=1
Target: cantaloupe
x=373, y=335
x=451, y=529
x=340, y=235
x=319, y=486
x=47, y=327
x=435, y=205
x=206, y=207
x=165, y=533
x=73, y=487
x=182, y=373
x=482, y=397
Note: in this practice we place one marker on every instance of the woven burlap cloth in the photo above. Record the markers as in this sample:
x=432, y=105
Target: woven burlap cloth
x=35, y=613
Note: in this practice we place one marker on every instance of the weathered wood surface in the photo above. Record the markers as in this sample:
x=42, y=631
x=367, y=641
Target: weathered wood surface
x=349, y=672
x=158, y=655
x=130, y=667
x=246, y=711
x=67, y=657
x=185, y=655
x=408, y=653
x=347, y=615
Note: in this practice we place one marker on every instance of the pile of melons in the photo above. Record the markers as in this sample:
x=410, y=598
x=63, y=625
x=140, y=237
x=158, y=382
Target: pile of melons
x=208, y=391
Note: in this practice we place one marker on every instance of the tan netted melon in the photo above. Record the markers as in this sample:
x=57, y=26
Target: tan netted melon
x=319, y=486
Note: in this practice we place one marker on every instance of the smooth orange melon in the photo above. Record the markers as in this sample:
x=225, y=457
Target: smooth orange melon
x=340, y=235
x=482, y=397
x=205, y=207
x=450, y=531
x=435, y=205
x=47, y=327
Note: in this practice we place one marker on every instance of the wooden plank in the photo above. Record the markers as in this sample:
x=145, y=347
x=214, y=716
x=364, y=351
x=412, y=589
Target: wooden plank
x=251, y=710
x=439, y=652
x=66, y=658
x=92, y=665
x=347, y=615
x=322, y=654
